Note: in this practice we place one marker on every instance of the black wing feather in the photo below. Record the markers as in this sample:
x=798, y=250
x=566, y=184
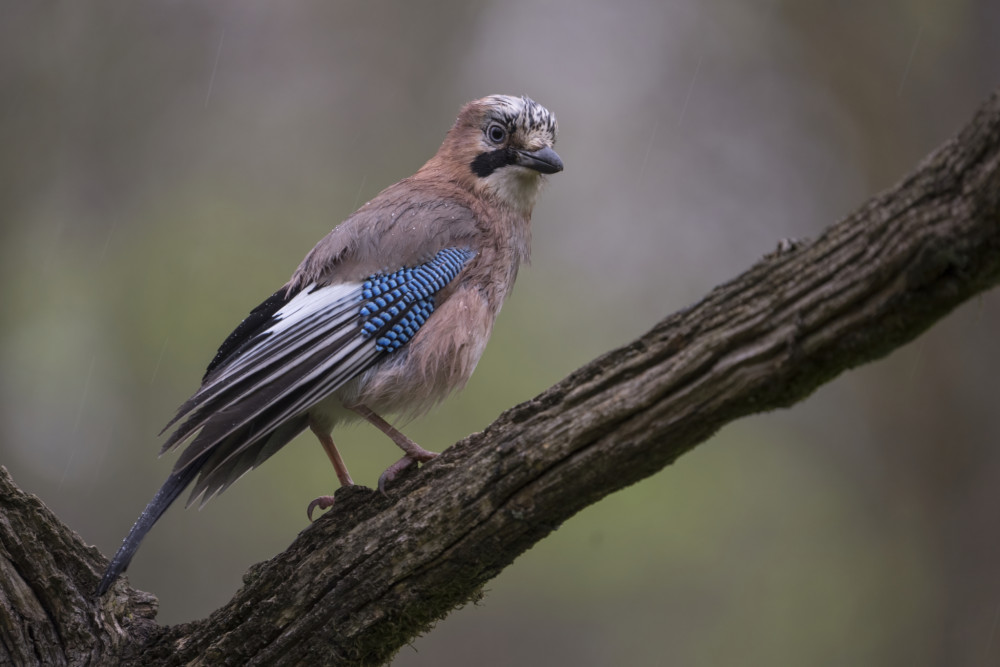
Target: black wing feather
x=259, y=319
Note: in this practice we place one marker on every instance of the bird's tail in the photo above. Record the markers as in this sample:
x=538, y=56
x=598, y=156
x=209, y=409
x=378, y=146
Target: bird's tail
x=167, y=494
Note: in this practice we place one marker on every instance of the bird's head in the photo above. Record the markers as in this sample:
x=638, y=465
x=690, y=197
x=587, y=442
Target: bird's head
x=501, y=146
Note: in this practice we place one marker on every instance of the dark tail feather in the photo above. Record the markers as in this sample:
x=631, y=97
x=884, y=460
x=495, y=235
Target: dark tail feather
x=167, y=494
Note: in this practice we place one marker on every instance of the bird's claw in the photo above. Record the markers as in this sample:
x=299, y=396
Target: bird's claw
x=399, y=466
x=323, y=502
x=392, y=471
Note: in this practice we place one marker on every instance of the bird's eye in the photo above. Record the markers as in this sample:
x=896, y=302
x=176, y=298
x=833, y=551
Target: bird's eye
x=496, y=133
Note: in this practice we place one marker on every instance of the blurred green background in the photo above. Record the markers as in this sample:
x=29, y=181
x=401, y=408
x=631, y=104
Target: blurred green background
x=166, y=165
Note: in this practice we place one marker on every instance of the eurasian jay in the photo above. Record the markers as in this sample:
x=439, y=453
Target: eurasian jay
x=389, y=313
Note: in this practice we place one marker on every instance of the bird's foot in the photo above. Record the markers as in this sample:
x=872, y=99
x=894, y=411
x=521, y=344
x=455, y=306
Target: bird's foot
x=402, y=464
x=323, y=502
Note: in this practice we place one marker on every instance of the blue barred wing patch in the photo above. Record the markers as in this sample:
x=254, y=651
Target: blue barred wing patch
x=397, y=305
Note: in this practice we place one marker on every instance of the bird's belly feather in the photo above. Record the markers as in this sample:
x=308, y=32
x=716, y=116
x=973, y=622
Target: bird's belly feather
x=439, y=360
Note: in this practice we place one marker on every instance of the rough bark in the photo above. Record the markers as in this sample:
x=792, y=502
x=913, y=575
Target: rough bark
x=376, y=572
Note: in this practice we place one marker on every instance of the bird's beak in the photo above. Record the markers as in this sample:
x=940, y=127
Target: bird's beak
x=544, y=161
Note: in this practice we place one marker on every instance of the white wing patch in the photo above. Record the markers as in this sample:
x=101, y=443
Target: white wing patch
x=308, y=315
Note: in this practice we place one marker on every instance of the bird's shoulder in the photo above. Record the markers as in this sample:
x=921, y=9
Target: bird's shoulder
x=404, y=225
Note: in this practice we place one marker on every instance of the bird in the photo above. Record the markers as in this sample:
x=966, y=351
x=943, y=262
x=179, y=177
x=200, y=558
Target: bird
x=388, y=314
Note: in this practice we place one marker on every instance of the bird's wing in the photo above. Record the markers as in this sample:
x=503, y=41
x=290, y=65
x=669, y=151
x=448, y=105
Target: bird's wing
x=301, y=349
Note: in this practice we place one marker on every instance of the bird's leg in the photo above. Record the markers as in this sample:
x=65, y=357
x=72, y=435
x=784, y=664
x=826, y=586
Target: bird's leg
x=326, y=502
x=414, y=452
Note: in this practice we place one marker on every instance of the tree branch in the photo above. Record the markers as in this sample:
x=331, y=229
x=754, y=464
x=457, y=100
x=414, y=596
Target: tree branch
x=375, y=572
